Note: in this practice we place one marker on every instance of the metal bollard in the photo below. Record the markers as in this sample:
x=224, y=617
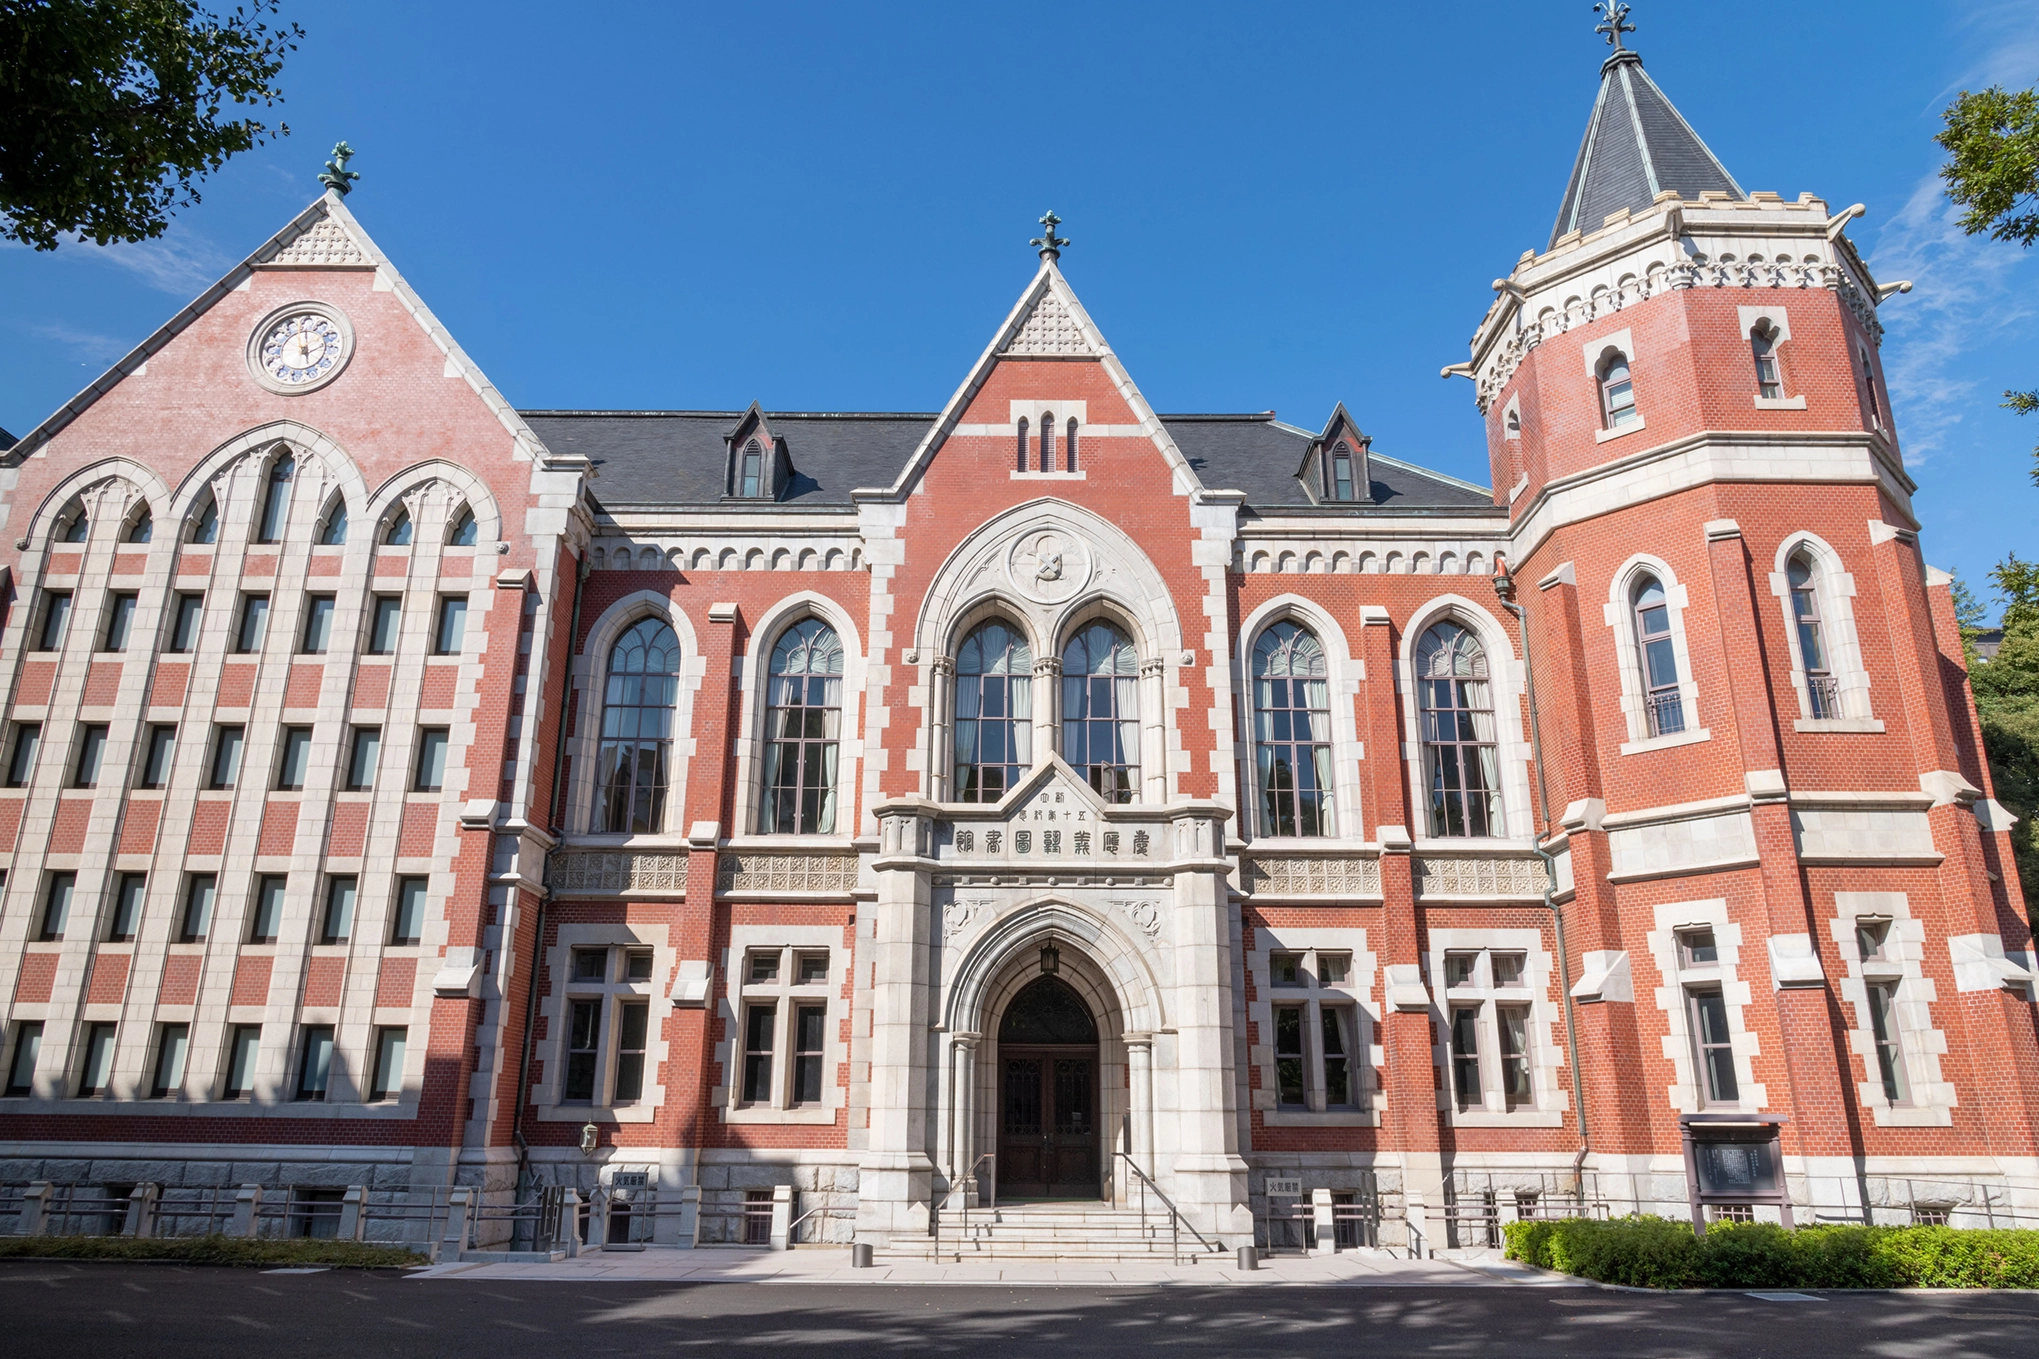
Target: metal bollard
x=1249, y=1257
x=860, y=1255
x=690, y=1215
x=569, y=1238
x=1324, y=1221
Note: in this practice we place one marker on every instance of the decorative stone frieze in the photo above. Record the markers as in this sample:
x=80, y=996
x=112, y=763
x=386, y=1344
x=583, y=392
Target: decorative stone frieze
x=1312, y=877
x=785, y=871
x=1478, y=877
x=589, y=872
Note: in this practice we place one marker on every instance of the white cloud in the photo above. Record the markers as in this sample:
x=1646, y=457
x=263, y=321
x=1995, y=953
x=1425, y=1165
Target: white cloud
x=182, y=264
x=90, y=346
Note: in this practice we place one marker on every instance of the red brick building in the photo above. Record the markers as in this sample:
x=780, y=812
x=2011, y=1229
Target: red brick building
x=1042, y=798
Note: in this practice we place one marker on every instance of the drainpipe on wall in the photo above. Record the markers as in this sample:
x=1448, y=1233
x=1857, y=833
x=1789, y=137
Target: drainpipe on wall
x=558, y=823
x=1504, y=589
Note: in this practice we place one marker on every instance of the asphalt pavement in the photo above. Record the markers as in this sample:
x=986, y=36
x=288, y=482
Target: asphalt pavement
x=110, y=1310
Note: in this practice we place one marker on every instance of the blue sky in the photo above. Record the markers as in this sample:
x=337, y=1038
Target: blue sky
x=827, y=206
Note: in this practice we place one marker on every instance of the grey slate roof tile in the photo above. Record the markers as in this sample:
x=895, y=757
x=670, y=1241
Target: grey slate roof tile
x=1636, y=146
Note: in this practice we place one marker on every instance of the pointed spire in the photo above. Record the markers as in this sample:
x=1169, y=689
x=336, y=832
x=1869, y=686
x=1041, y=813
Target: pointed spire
x=1637, y=144
x=1048, y=243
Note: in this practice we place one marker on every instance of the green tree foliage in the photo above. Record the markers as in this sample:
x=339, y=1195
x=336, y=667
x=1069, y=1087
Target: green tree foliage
x=112, y=110
x=2007, y=701
x=1992, y=171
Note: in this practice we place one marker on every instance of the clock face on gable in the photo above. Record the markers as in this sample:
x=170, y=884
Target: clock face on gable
x=300, y=347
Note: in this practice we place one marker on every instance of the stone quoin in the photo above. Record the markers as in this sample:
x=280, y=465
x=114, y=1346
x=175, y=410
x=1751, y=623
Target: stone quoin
x=1039, y=799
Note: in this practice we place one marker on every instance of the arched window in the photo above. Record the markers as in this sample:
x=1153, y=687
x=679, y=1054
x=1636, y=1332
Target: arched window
x=637, y=729
x=1457, y=725
x=1823, y=689
x=142, y=527
x=205, y=523
x=1514, y=421
x=463, y=532
x=398, y=534
x=1292, y=732
x=333, y=528
x=1023, y=443
x=276, y=500
x=994, y=712
x=1341, y=472
x=75, y=527
x=1763, y=344
x=1617, y=392
x=1069, y=446
x=1661, y=701
x=803, y=724
x=751, y=475
x=1047, y=441
x=1101, y=710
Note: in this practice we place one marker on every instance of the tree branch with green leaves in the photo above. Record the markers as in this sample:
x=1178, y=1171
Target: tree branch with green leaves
x=112, y=111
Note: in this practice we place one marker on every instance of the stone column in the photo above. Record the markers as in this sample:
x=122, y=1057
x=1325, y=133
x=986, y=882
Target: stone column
x=1140, y=1070
x=941, y=702
x=1047, y=706
x=897, y=1170
x=1153, y=737
x=1207, y=1175
x=963, y=1108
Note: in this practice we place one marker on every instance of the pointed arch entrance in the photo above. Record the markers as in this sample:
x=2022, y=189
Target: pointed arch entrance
x=1049, y=1140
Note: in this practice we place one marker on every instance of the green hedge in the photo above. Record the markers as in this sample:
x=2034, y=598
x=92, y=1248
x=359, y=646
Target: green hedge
x=1655, y=1252
x=210, y=1250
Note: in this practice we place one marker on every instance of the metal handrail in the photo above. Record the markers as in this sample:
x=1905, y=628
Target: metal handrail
x=934, y=1214
x=1174, y=1213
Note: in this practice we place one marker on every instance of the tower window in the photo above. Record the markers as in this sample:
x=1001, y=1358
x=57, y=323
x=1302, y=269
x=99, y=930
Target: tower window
x=1069, y=446
x=1869, y=389
x=1661, y=701
x=1823, y=689
x=1763, y=344
x=1617, y=393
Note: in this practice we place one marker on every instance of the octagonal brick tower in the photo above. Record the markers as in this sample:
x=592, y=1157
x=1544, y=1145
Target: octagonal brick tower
x=1752, y=696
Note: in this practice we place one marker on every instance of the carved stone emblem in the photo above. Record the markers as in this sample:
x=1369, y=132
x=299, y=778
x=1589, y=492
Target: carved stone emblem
x=1048, y=565
x=958, y=916
x=1145, y=914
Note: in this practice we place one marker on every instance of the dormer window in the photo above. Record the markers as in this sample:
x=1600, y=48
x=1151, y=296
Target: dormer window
x=752, y=474
x=1341, y=472
x=1617, y=392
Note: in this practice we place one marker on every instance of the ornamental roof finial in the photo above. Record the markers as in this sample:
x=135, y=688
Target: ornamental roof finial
x=338, y=177
x=1050, y=245
x=1613, y=22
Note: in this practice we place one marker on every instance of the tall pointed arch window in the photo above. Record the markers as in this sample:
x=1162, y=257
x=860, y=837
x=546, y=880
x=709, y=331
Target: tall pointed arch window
x=464, y=530
x=1023, y=443
x=398, y=534
x=333, y=528
x=1617, y=392
x=994, y=712
x=1069, y=446
x=75, y=527
x=1292, y=732
x=1823, y=688
x=1460, y=763
x=1763, y=346
x=276, y=500
x=751, y=472
x=142, y=527
x=637, y=728
x=1662, y=704
x=803, y=729
x=1101, y=710
x=205, y=522
x=1047, y=441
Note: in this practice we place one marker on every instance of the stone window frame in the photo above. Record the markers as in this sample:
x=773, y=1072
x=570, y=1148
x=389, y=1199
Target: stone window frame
x=587, y=684
x=753, y=710
x=1359, y=993
x=1836, y=590
x=1511, y=737
x=545, y=1093
x=1343, y=674
x=1920, y=1045
x=1670, y=919
x=1549, y=1100
x=1779, y=324
x=1597, y=352
x=1031, y=409
x=1619, y=615
x=738, y=992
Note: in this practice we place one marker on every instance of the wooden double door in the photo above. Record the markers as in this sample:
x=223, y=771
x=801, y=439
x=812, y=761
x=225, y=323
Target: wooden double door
x=1048, y=1138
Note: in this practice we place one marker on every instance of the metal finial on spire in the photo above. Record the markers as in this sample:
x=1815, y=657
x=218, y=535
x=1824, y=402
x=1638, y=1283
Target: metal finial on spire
x=338, y=177
x=1050, y=245
x=1613, y=22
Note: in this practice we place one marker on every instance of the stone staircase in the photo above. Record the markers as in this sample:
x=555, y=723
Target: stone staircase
x=1062, y=1230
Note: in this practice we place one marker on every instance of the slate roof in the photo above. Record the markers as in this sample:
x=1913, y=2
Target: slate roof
x=659, y=459
x=6, y=441
x=1637, y=145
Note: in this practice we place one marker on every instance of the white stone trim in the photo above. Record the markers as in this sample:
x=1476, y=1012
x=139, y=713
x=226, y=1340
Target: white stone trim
x=1358, y=993
x=1920, y=1044
x=749, y=733
x=1619, y=615
x=1685, y=1093
x=1343, y=673
x=544, y=1093
x=1506, y=678
x=1549, y=1100
x=738, y=991
x=1836, y=589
